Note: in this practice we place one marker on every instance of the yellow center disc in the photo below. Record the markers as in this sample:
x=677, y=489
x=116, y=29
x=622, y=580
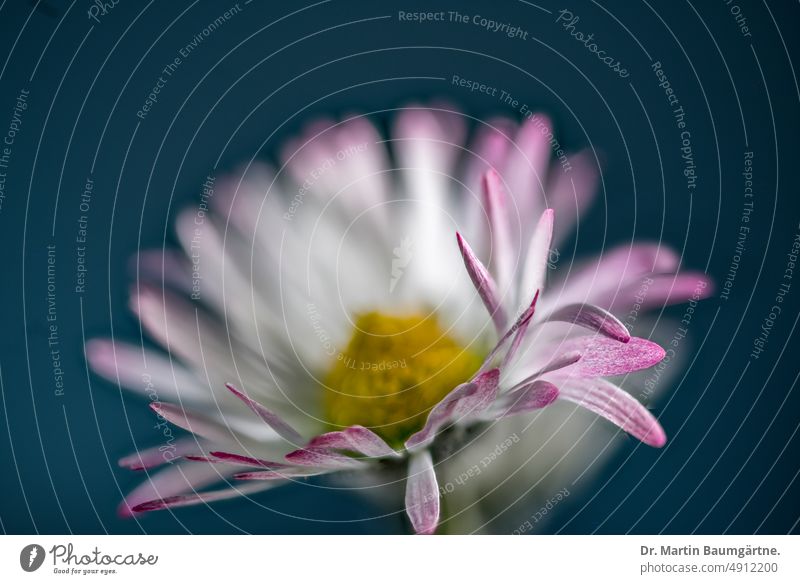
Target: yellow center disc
x=393, y=371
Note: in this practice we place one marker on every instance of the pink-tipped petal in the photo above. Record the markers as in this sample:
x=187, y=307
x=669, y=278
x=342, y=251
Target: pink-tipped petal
x=364, y=172
x=656, y=291
x=559, y=362
x=488, y=149
x=125, y=363
x=484, y=284
x=604, y=357
x=179, y=325
x=158, y=455
x=467, y=400
x=270, y=418
x=521, y=322
x=217, y=456
x=176, y=479
x=356, y=438
x=571, y=193
x=535, y=269
x=530, y=397
x=191, y=421
x=486, y=392
x=519, y=336
x=169, y=266
x=284, y=473
x=600, y=280
x=322, y=458
x=617, y=406
x=201, y=498
x=422, y=494
x=594, y=318
x=440, y=415
x=503, y=256
x=527, y=164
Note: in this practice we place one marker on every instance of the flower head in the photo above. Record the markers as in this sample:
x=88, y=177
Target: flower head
x=352, y=313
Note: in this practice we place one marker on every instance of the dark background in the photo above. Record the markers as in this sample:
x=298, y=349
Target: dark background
x=732, y=462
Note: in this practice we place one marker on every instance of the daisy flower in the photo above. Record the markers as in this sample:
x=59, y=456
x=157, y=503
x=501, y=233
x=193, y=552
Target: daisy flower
x=376, y=304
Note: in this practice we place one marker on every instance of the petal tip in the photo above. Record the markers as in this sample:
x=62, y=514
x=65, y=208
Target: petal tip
x=549, y=395
x=655, y=437
x=156, y=505
x=97, y=349
x=125, y=511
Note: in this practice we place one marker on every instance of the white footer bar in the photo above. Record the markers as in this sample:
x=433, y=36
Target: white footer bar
x=390, y=559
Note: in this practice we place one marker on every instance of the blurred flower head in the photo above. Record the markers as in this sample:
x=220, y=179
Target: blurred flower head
x=380, y=307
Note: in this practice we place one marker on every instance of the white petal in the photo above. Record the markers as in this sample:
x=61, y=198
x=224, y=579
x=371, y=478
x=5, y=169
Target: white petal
x=145, y=371
x=422, y=494
x=571, y=193
x=535, y=269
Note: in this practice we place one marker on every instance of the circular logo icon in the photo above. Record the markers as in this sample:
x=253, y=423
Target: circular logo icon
x=31, y=557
